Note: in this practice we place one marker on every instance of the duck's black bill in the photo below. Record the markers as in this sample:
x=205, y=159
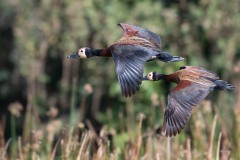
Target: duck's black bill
x=145, y=78
x=73, y=55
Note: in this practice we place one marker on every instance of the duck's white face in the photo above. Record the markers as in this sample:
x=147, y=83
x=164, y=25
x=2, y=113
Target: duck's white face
x=82, y=52
x=150, y=76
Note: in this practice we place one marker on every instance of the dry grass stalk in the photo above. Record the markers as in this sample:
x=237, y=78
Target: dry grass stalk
x=237, y=111
x=68, y=150
x=27, y=125
x=139, y=140
x=157, y=156
x=149, y=151
x=218, y=146
x=82, y=149
x=52, y=156
x=5, y=149
x=101, y=151
x=189, y=152
x=160, y=150
x=2, y=128
x=168, y=148
x=114, y=155
x=21, y=157
x=209, y=156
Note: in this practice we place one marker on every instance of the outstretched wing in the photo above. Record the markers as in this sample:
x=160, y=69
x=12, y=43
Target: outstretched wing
x=201, y=71
x=129, y=61
x=131, y=30
x=181, y=100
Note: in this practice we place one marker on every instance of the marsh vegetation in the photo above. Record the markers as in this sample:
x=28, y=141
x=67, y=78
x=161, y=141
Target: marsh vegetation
x=56, y=108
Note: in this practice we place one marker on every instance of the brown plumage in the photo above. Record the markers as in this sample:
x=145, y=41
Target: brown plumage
x=130, y=52
x=193, y=85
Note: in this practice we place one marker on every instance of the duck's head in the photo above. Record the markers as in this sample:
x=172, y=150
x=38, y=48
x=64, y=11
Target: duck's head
x=84, y=52
x=154, y=76
x=151, y=76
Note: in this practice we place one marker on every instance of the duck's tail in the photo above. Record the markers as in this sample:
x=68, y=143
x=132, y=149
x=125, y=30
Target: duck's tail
x=168, y=57
x=223, y=85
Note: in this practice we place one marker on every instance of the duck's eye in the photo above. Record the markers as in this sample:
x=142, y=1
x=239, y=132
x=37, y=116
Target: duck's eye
x=81, y=50
x=150, y=74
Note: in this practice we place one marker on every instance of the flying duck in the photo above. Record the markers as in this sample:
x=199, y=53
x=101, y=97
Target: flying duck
x=193, y=85
x=136, y=46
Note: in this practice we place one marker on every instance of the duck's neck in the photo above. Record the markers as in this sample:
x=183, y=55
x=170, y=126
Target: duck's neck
x=93, y=52
x=161, y=77
x=172, y=78
x=97, y=52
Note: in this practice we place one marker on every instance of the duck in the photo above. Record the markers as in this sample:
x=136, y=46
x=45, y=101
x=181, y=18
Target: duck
x=130, y=52
x=193, y=85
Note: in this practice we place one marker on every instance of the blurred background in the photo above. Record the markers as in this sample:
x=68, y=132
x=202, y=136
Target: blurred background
x=49, y=102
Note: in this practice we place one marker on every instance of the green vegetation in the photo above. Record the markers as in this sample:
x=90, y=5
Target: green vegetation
x=56, y=108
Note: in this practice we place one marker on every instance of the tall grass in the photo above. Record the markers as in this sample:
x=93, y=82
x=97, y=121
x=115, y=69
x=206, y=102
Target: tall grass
x=54, y=141
x=36, y=37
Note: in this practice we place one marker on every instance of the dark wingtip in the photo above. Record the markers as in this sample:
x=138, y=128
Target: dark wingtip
x=126, y=95
x=173, y=126
x=183, y=67
x=120, y=25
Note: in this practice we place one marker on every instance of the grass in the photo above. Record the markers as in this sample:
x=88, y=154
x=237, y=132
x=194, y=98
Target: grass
x=56, y=141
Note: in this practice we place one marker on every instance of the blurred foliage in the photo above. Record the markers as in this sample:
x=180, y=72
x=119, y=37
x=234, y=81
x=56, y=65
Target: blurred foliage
x=37, y=36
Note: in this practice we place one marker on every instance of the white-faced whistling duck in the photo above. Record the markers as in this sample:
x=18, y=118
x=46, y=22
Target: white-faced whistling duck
x=136, y=46
x=193, y=85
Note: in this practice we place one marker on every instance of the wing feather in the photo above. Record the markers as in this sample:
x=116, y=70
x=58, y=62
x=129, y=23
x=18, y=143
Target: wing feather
x=129, y=61
x=131, y=30
x=180, y=105
x=202, y=72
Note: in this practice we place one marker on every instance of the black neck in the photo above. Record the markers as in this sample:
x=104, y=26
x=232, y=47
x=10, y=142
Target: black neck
x=93, y=52
x=97, y=52
x=160, y=76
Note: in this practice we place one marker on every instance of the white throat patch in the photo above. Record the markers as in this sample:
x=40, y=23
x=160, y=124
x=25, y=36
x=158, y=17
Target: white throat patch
x=82, y=55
